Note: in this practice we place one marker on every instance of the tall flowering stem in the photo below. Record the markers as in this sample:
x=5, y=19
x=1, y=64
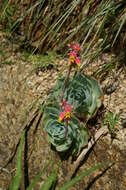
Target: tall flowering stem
x=74, y=60
x=65, y=83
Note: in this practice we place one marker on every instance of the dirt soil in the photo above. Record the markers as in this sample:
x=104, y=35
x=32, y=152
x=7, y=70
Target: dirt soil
x=21, y=88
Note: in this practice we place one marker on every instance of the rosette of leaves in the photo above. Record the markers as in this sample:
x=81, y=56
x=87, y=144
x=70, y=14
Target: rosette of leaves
x=64, y=137
x=85, y=96
x=82, y=92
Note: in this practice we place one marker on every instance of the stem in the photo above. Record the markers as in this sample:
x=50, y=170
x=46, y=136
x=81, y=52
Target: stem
x=65, y=82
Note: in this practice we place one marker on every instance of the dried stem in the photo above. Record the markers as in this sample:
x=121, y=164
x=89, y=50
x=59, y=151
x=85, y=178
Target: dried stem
x=81, y=157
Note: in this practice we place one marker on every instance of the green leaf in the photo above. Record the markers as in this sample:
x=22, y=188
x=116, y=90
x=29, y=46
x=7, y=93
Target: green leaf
x=37, y=178
x=111, y=120
x=76, y=179
x=16, y=181
x=50, y=181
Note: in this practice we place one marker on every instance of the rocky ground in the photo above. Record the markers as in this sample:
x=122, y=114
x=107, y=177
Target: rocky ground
x=21, y=88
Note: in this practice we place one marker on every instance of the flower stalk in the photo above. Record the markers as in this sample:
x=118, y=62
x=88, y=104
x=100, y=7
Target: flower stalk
x=74, y=60
x=65, y=83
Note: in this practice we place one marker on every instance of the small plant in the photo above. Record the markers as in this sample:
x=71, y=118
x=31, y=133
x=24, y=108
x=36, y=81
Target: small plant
x=112, y=120
x=6, y=62
x=42, y=62
x=71, y=103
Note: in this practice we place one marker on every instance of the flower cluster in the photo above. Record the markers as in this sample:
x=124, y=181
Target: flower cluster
x=74, y=60
x=66, y=113
x=74, y=54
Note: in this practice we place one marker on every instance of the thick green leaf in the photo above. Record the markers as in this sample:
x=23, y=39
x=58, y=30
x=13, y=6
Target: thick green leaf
x=17, y=178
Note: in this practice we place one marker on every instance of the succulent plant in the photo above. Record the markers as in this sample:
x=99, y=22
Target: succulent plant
x=63, y=136
x=82, y=92
x=84, y=96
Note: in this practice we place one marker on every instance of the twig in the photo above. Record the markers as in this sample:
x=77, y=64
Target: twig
x=6, y=170
x=81, y=157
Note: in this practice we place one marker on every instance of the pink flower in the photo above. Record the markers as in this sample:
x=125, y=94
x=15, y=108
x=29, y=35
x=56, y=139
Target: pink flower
x=75, y=47
x=77, y=61
x=72, y=56
x=72, y=53
x=68, y=108
x=61, y=117
x=66, y=113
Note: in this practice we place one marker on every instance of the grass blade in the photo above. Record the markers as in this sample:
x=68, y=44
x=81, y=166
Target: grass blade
x=121, y=25
x=76, y=179
x=37, y=178
x=17, y=178
x=50, y=181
